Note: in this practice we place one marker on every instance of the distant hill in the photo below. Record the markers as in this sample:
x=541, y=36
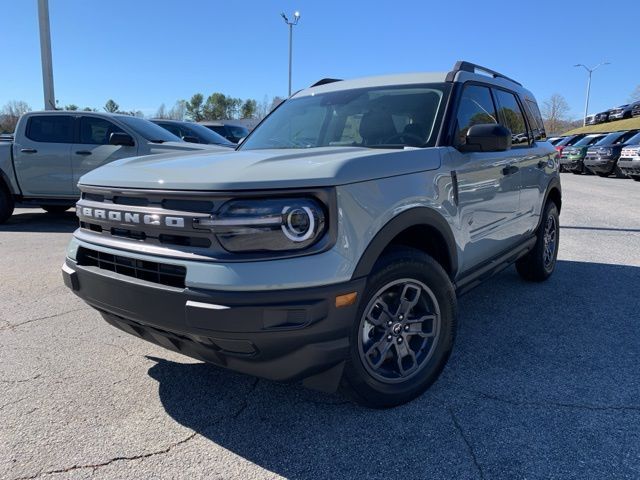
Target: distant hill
x=627, y=124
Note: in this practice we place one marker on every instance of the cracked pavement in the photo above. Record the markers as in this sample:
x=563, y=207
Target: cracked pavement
x=544, y=381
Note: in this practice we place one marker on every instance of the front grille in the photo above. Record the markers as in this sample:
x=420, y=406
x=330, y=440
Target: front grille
x=161, y=273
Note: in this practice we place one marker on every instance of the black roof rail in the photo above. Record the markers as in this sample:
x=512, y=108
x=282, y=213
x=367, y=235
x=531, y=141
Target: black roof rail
x=324, y=81
x=464, y=66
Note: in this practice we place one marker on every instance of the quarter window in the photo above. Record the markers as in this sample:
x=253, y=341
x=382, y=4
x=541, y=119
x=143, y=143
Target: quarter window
x=96, y=131
x=476, y=107
x=511, y=116
x=50, y=129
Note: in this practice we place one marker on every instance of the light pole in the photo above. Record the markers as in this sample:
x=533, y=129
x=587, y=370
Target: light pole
x=590, y=70
x=45, y=54
x=296, y=17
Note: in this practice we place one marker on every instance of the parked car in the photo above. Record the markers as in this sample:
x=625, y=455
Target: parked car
x=231, y=131
x=629, y=162
x=554, y=140
x=566, y=142
x=572, y=158
x=193, y=132
x=635, y=111
x=602, y=117
x=370, y=219
x=621, y=112
x=602, y=157
x=53, y=149
x=590, y=119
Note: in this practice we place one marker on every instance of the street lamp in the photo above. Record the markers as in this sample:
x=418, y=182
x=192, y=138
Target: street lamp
x=296, y=17
x=590, y=70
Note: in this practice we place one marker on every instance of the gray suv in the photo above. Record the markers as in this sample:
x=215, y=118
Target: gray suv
x=330, y=247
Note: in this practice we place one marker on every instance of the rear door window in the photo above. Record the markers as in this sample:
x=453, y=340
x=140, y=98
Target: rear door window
x=50, y=128
x=512, y=117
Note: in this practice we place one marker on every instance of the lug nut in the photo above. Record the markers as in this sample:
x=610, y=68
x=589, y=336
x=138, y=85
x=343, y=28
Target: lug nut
x=400, y=317
x=399, y=339
x=406, y=328
x=389, y=337
x=389, y=323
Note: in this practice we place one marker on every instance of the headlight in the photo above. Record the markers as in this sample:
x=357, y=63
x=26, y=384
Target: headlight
x=605, y=151
x=267, y=225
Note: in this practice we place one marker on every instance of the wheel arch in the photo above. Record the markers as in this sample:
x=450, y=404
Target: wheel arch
x=420, y=227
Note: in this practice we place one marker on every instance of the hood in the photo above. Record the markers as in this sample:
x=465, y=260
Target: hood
x=262, y=169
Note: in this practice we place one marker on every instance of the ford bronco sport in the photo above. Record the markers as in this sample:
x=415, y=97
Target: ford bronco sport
x=330, y=246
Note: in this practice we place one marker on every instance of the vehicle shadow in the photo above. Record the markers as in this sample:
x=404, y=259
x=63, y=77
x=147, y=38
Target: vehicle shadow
x=40, y=221
x=530, y=361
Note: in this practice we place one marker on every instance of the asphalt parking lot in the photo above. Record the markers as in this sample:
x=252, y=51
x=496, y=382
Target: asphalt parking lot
x=544, y=381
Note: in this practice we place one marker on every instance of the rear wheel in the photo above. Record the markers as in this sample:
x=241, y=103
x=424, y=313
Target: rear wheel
x=636, y=177
x=404, y=331
x=6, y=204
x=56, y=209
x=602, y=174
x=539, y=263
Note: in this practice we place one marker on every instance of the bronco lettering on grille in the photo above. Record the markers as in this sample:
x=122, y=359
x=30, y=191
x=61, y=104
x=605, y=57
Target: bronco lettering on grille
x=133, y=218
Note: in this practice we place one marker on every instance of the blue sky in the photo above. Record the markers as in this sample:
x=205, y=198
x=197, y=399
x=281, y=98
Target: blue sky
x=143, y=53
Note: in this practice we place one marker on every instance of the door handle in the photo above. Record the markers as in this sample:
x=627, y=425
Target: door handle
x=29, y=150
x=509, y=170
x=83, y=152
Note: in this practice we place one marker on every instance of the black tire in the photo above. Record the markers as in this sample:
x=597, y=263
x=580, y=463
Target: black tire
x=576, y=172
x=7, y=204
x=437, y=299
x=55, y=209
x=636, y=177
x=603, y=174
x=539, y=263
x=618, y=172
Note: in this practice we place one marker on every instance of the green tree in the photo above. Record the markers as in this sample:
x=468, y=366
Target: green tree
x=72, y=107
x=248, y=109
x=194, y=107
x=111, y=106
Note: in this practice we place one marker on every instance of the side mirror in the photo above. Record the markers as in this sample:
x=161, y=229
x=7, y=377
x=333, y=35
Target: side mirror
x=487, y=137
x=191, y=139
x=121, y=138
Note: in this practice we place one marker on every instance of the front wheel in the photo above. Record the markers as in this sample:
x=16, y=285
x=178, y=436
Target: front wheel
x=56, y=209
x=540, y=262
x=404, y=331
x=7, y=205
x=636, y=177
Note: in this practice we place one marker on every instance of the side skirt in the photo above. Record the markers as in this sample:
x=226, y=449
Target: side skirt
x=475, y=277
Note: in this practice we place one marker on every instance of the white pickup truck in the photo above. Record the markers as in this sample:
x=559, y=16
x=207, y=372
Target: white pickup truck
x=51, y=150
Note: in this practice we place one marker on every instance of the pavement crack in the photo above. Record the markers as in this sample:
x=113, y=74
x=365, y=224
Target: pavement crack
x=245, y=401
x=22, y=380
x=466, y=441
x=13, y=326
x=96, y=466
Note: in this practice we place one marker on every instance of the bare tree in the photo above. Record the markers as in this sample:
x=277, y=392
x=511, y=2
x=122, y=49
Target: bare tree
x=161, y=112
x=275, y=102
x=11, y=113
x=554, y=113
x=178, y=111
x=262, y=109
x=635, y=95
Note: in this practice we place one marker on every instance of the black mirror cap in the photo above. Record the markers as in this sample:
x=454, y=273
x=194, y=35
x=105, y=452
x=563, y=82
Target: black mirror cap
x=487, y=137
x=191, y=139
x=122, y=139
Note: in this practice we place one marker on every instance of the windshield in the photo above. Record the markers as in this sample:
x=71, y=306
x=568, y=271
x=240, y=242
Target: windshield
x=149, y=131
x=377, y=117
x=588, y=140
x=635, y=140
x=616, y=138
x=208, y=136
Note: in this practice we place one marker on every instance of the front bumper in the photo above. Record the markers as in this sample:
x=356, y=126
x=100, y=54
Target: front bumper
x=285, y=335
x=629, y=166
x=599, y=164
x=574, y=164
